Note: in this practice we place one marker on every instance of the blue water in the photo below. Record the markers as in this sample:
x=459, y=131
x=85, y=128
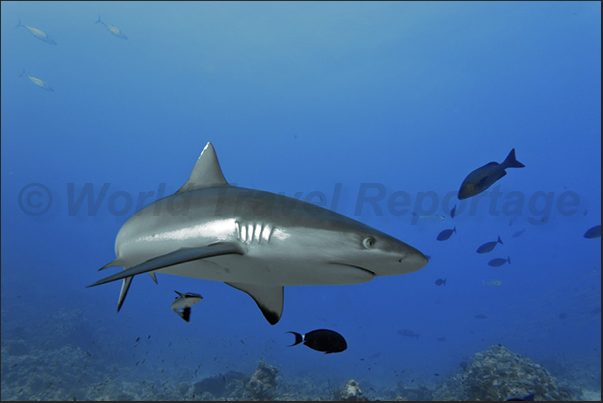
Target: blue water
x=300, y=98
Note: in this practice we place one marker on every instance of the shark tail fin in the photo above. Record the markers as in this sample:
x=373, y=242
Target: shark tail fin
x=511, y=162
x=298, y=338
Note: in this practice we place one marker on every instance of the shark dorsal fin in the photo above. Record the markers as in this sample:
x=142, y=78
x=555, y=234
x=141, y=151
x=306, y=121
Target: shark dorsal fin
x=206, y=173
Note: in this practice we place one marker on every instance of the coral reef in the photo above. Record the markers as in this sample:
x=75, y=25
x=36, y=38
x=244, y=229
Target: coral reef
x=262, y=385
x=352, y=392
x=499, y=374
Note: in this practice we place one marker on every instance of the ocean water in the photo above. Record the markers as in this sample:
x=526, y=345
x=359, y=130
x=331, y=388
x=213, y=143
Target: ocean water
x=334, y=103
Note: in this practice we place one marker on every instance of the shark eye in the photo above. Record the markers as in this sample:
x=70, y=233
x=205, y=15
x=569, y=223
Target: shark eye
x=369, y=242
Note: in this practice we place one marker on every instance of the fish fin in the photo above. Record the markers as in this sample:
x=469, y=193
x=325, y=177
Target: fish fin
x=179, y=293
x=500, y=240
x=509, y=259
x=181, y=255
x=153, y=276
x=482, y=182
x=19, y=23
x=206, y=173
x=269, y=299
x=185, y=314
x=445, y=281
x=99, y=20
x=22, y=73
x=125, y=286
x=298, y=338
x=114, y=263
x=511, y=162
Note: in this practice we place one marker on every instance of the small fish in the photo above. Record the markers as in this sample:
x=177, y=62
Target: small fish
x=183, y=303
x=484, y=177
x=321, y=340
x=447, y=233
x=493, y=283
x=594, y=232
x=528, y=398
x=488, y=246
x=519, y=233
x=481, y=316
x=440, y=282
x=442, y=338
x=37, y=33
x=37, y=81
x=408, y=333
x=453, y=212
x=499, y=261
x=114, y=30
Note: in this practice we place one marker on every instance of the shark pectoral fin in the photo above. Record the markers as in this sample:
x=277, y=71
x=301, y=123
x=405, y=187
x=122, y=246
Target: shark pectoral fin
x=181, y=255
x=125, y=286
x=269, y=299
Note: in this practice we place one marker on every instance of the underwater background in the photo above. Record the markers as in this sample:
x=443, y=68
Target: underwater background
x=325, y=97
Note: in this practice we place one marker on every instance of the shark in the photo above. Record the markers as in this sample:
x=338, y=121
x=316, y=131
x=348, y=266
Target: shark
x=255, y=241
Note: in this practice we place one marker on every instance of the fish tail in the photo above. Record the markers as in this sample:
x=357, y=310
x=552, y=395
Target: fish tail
x=442, y=284
x=298, y=338
x=509, y=259
x=511, y=162
x=19, y=23
x=454, y=229
x=500, y=240
x=99, y=20
x=22, y=74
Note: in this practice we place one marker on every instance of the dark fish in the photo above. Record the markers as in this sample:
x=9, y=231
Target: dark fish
x=594, y=232
x=528, y=398
x=183, y=303
x=439, y=282
x=442, y=338
x=408, y=333
x=484, y=177
x=488, y=246
x=322, y=340
x=481, y=316
x=453, y=212
x=519, y=233
x=499, y=261
x=447, y=233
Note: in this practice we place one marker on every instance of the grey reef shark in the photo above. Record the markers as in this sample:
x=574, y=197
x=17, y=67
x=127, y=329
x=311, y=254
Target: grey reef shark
x=255, y=241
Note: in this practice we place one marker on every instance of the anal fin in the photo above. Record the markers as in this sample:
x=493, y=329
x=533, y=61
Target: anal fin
x=268, y=298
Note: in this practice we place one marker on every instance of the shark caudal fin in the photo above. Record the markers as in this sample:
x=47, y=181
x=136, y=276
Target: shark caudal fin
x=511, y=162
